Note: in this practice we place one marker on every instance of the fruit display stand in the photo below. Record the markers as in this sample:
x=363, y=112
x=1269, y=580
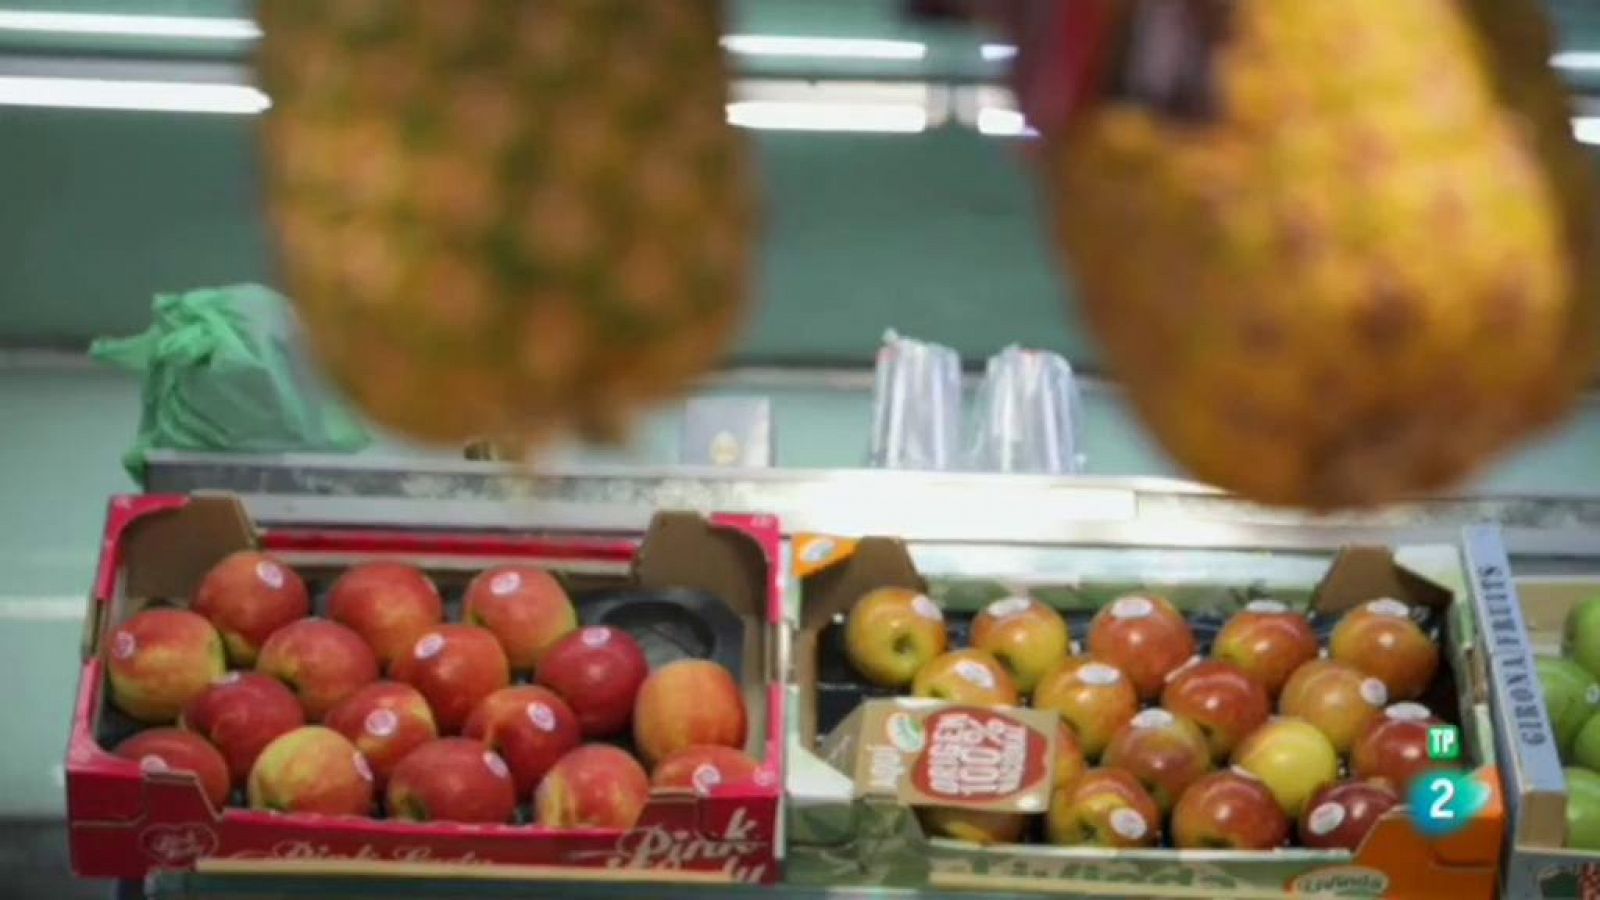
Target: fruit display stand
x=126, y=818
x=842, y=832
x=1526, y=616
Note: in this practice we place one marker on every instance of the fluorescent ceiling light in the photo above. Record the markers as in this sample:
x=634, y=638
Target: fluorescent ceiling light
x=193, y=27
x=1003, y=123
x=998, y=52
x=1587, y=130
x=1577, y=62
x=817, y=47
x=147, y=96
x=897, y=118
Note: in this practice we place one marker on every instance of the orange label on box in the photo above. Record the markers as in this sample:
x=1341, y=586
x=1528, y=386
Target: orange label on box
x=939, y=754
x=815, y=552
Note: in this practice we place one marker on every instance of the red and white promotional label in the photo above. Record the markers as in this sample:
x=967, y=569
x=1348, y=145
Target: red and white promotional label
x=977, y=755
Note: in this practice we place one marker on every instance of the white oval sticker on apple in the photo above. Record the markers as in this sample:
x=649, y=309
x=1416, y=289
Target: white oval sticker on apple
x=381, y=723
x=270, y=574
x=1007, y=607
x=542, y=716
x=1132, y=607
x=1408, y=712
x=926, y=608
x=1388, y=606
x=124, y=645
x=504, y=583
x=706, y=776
x=1128, y=823
x=496, y=764
x=429, y=645
x=362, y=768
x=1155, y=717
x=1098, y=673
x=595, y=637
x=975, y=673
x=1374, y=692
x=1325, y=818
x=1266, y=607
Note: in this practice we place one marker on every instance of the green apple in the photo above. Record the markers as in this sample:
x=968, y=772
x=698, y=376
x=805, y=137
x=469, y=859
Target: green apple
x=1586, y=748
x=1580, y=635
x=1571, y=696
x=1583, y=809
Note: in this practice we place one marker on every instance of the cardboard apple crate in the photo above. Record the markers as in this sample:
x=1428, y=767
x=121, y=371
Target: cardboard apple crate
x=1524, y=618
x=844, y=829
x=689, y=586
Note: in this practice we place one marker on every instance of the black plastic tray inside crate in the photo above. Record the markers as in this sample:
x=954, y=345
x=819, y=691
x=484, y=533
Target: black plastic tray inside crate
x=840, y=689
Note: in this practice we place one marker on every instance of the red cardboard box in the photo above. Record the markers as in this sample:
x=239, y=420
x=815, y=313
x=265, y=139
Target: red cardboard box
x=124, y=821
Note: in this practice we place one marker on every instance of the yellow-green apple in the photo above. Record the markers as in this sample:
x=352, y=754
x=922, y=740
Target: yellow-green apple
x=322, y=662
x=311, y=770
x=1221, y=699
x=702, y=767
x=1268, y=641
x=1292, y=757
x=594, y=786
x=389, y=604
x=452, y=780
x=1144, y=637
x=1026, y=636
x=1069, y=761
x=530, y=727
x=1104, y=807
x=1380, y=639
x=684, y=703
x=176, y=750
x=1092, y=698
x=1229, y=810
x=975, y=826
x=598, y=671
x=161, y=659
x=247, y=596
x=386, y=720
x=1394, y=750
x=1165, y=753
x=968, y=676
x=1337, y=698
x=893, y=632
x=526, y=609
x=241, y=713
x=455, y=667
x=1341, y=815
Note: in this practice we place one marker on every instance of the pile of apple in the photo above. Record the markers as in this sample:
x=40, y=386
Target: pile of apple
x=307, y=722
x=1159, y=745
x=1571, y=684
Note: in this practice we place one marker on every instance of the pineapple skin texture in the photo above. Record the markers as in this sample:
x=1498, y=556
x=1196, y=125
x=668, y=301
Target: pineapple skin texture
x=504, y=219
x=1371, y=271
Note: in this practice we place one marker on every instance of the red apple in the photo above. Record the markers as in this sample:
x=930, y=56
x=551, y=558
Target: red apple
x=452, y=780
x=530, y=727
x=684, y=703
x=1144, y=637
x=594, y=786
x=311, y=770
x=323, y=662
x=1394, y=750
x=1268, y=641
x=1340, y=815
x=1105, y=807
x=1069, y=761
x=526, y=609
x=241, y=713
x=247, y=597
x=1165, y=753
x=968, y=676
x=975, y=826
x=703, y=767
x=386, y=720
x=389, y=604
x=1229, y=810
x=175, y=750
x=1029, y=638
x=161, y=659
x=1221, y=699
x=1338, y=699
x=455, y=667
x=1380, y=639
x=598, y=672
x=891, y=633
x=1092, y=698
x=1292, y=757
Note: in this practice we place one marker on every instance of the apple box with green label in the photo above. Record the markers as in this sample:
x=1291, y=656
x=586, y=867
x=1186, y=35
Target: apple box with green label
x=939, y=737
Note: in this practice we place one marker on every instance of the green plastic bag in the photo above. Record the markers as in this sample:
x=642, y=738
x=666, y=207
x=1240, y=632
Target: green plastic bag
x=223, y=371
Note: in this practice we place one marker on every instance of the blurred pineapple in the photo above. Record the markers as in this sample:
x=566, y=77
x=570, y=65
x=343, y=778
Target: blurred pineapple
x=1354, y=262
x=506, y=219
